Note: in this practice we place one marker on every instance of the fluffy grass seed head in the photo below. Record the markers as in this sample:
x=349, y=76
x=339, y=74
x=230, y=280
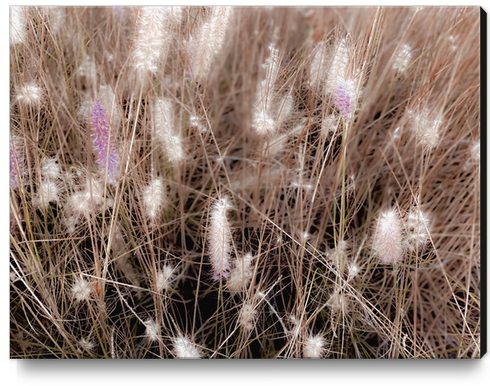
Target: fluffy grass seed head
x=209, y=41
x=387, y=242
x=220, y=239
x=247, y=317
x=426, y=128
x=81, y=289
x=18, y=24
x=50, y=169
x=153, y=199
x=403, y=58
x=164, y=278
x=30, y=95
x=329, y=125
x=241, y=274
x=151, y=40
x=48, y=192
x=164, y=131
x=103, y=140
x=86, y=345
x=152, y=330
x=313, y=347
x=185, y=349
x=417, y=229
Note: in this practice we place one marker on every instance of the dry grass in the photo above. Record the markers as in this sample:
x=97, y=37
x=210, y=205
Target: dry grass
x=306, y=126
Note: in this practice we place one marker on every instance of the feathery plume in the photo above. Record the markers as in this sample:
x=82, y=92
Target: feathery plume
x=81, y=289
x=151, y=40
x=403, y=58
x=329, y=125
x=104, y=143
x=417, y=229
x=152, y=330
x=313, y=347
x=17, y=166
x=18, y=24
x=338, y=66
x=154, y=198
x=346, y=98
x=317, y=67
x=220, y=239
x=264, y=121
x=247, y=316
x=108, y=103
x=50, y=169
x=30, y=95
x=164, y=277
x=209, y=42
x=86, y=345
x=338, y=301
x=185, y=349
x=425, y=128
x=164, y=131
x=387, y=242
x=48, y=192
x=241, y=275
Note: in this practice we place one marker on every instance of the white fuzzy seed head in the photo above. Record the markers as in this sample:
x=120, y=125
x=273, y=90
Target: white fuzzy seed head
x=153, y=199
x=338, y=301
x=30, y=95
x=247, y=317
x=387, y=242
x=241, y=275
x=164, y=277
x=81, y=289
x=417, y=229
x=329, y=125
x=151, y=41
x=208, y=42
x=426, y=128
x=185, y=349
x=265, y=120
x=352, y=271
x=317, y=67
x=77, y=204
x=109, y=103
x=152, y=330
x=48, y=192
x=220, y=239
x=403, y=58
x=313, y=347
x=50, y=170
x=475, y=153
x=86, y=345
x=338, y=66
x=18, y=24
x=164, y=131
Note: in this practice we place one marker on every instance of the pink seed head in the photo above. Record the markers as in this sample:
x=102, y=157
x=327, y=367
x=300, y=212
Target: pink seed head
x=103, y=142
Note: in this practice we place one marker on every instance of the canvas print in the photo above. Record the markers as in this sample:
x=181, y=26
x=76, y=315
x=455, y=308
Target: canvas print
x=245, y=182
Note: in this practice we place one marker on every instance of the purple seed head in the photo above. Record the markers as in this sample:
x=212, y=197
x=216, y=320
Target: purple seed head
x=345, y=92
x=103, y=142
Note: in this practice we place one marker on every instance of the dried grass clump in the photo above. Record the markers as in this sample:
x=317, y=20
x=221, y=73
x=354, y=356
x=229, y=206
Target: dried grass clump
x=239, y=182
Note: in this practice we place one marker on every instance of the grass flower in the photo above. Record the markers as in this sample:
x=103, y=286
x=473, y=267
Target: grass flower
x=185, y=349
x=314, y=347
x=103, y=140
x=220, y=239
x=387, y=242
